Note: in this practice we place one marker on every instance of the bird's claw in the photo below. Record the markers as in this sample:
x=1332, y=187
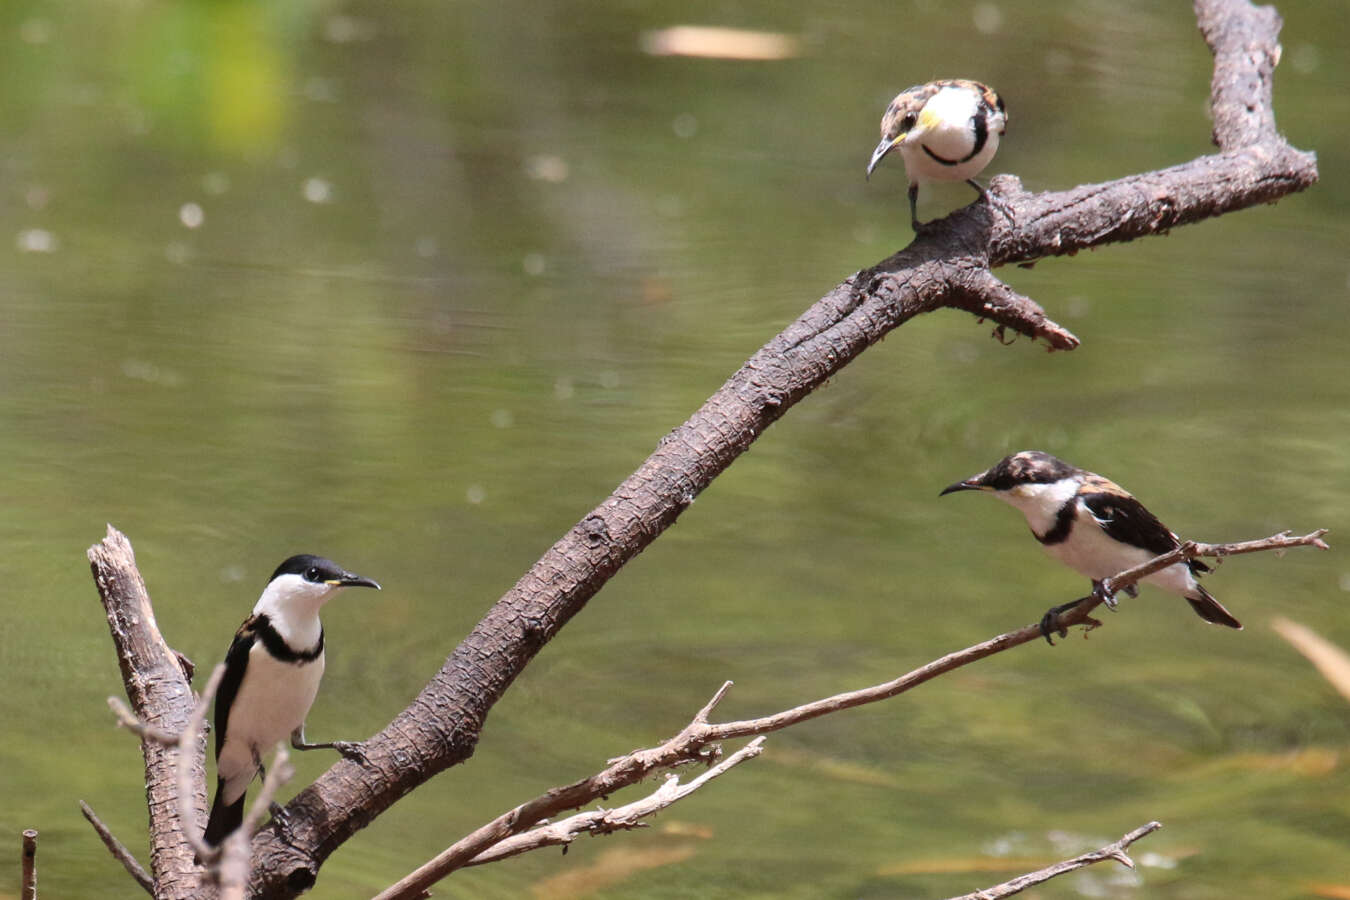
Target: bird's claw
x=1050, y=621
x=1050, y=625
x=352, y=750
x=999, y=204
x=1100, y=592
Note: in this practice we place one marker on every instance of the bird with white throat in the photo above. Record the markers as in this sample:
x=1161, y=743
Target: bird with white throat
x=945, y=131
x=272, y=673
x=1093, y=526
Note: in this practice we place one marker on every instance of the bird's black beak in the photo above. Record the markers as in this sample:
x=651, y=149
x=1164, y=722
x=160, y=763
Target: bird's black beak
x=970, y=484
x=350, y=580
x=886, y=146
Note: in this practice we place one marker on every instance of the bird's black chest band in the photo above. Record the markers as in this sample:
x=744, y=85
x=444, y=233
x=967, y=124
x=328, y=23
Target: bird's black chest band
x=277, y=646
x=1059, y=533
x=981, y=129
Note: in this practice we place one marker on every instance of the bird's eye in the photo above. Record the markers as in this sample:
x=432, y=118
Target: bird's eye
x=312, y=574
x=907, y=123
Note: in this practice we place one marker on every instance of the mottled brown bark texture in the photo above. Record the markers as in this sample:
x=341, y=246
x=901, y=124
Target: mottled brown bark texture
x=161, y=697
x=948, y=265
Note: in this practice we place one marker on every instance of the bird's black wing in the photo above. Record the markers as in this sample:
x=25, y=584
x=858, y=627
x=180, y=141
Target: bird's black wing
x=236, y=663
x=1125, y=519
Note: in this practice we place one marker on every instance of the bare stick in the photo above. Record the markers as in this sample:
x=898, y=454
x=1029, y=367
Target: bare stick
x=623, y=817
x=1114, y=851
x=119, y=850
x=187, y=765
x=1191, y=549
x=458, y=855
x=620, y=773
x=29, y=864
x=232, y=869
x=127, y=719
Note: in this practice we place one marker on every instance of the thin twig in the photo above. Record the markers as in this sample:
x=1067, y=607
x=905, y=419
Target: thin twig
x=524, y=838
x=187, y=743
x=29, y=865
x=1191, y=549
x=184, y=742
x=603, y=821
x=1114, y=851
x=127, y=719
x=119, y=850
x=232, y=867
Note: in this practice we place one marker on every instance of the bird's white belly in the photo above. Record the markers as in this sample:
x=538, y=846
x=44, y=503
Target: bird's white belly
x=950, y=143
x=1090, y=552
x=272, y=702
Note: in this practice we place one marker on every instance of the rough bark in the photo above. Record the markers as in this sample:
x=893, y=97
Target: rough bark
x=161, y=697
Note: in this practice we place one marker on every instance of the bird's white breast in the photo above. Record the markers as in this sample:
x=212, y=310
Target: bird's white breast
x=1092, y=552
x=1041, y=502
x=945, y=129
x=272, y=702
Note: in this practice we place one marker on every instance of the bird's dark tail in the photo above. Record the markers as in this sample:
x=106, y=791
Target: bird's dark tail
x=1212, y=610
x=226, y=817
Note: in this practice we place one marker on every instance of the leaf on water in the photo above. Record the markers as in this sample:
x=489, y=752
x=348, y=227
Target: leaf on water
x=720, y=43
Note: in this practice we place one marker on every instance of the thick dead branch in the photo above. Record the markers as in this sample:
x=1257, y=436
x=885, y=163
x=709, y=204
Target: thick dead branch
x=1114, y=851
x=28, y=889
x=119, y=850
x=162, y=701
x=1244, y=41
x=990, y=298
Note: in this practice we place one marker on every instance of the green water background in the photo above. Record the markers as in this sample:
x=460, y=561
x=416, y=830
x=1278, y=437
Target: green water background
x=415, y=284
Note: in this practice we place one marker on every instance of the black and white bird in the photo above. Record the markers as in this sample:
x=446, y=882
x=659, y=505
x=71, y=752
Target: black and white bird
x=1093, y=526
x=272, y=673
x=945, y=131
